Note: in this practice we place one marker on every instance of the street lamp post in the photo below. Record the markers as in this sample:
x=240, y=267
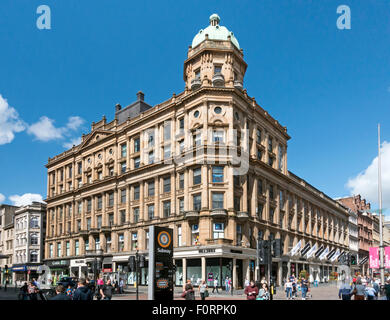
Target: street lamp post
x=380, y=209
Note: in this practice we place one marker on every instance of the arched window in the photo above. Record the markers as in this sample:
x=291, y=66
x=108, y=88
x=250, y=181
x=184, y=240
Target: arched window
x=34, y=256
x=34, y=239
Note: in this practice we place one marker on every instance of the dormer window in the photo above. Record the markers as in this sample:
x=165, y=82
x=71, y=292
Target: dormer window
x=197, y=74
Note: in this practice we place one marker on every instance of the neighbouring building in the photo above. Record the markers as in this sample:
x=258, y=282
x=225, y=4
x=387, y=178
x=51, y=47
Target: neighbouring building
x=386, y=233
x=29, y=233
x=366, y=228
x=210, y=163
x=7, y=215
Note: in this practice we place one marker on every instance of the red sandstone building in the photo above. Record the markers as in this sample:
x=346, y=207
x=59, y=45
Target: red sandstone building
x=365, y=224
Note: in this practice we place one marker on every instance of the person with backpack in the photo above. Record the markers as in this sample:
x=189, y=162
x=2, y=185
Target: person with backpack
x=107, y=290
x=358, y=290
x=83, y=292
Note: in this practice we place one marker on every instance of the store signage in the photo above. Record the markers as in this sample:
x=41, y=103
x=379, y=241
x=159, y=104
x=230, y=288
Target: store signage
x=57, y=263
x=374, y=257
x=387, y=257
x=206, y=250
x=107, y=270
x=21, y=268
x=160, y=264
x=210, y=276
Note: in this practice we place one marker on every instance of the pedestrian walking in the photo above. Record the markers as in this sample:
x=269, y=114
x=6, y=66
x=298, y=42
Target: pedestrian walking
x=251, y=291
x=304, y=288
x=32, y=292
x=345, y=291
x=215, y=285
x=263, y=293
x=107, y=290
x=60, y=293
x=369, y=292
x=387, y=289
x=83, y=292
x=227, y=284
x=288, y=286
x=358, y=290
x=23, y=292
x=121, y=284
x=203, y=292
x=188, y=291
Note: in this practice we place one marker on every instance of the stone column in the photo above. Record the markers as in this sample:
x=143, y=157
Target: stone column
x=184, y=270
x=203, y=261
x=280, y=273
x=234, y=277
x=186, y=188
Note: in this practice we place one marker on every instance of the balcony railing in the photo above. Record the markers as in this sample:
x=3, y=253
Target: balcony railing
x=195, y=84
x=218, y=80
x=191, y=214
x=242, y=215
x=218, y=213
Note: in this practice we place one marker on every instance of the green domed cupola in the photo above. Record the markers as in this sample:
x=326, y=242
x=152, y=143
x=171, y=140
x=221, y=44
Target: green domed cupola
x=215, y=32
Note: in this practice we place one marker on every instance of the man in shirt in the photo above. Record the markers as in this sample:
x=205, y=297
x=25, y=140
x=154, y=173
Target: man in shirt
x=345, y=291
x=107, y=290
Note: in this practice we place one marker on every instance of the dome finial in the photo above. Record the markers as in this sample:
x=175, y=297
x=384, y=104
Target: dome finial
x=214, y=19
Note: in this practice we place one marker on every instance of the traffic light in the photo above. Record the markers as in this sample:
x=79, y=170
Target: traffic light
x=277, y=248
x=353, y=260
x=261, y=251
x=142, y=261
x=132, y=263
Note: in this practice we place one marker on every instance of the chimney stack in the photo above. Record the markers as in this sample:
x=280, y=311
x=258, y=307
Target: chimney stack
x=140, y=96
x=118, y=107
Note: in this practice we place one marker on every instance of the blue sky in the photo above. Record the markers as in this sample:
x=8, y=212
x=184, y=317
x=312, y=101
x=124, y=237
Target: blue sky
x=330, y=87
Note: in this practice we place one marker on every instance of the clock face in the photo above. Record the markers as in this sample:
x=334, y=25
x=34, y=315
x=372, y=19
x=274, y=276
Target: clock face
x=164, y=239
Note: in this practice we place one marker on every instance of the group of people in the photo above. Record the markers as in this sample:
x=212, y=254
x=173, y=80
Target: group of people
x=259, y=291
x=189, y=291
x=85, y=291
x=363, y=288
x=292, y=285
x=30, y=291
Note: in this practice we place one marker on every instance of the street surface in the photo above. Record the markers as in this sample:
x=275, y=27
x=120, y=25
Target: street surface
x=322, y=292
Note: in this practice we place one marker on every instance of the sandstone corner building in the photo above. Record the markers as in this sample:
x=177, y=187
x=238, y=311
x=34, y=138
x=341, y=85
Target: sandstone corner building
x=209, y=163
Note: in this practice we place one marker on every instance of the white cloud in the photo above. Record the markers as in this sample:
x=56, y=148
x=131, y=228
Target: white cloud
x=44, y=130
x=25, y=199
x=2, y=198
x=74, y=122
x=72, y=142
x=366, y=182
x=9, y=122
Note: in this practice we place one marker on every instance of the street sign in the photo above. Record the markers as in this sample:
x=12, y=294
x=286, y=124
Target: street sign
x=160, y=264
